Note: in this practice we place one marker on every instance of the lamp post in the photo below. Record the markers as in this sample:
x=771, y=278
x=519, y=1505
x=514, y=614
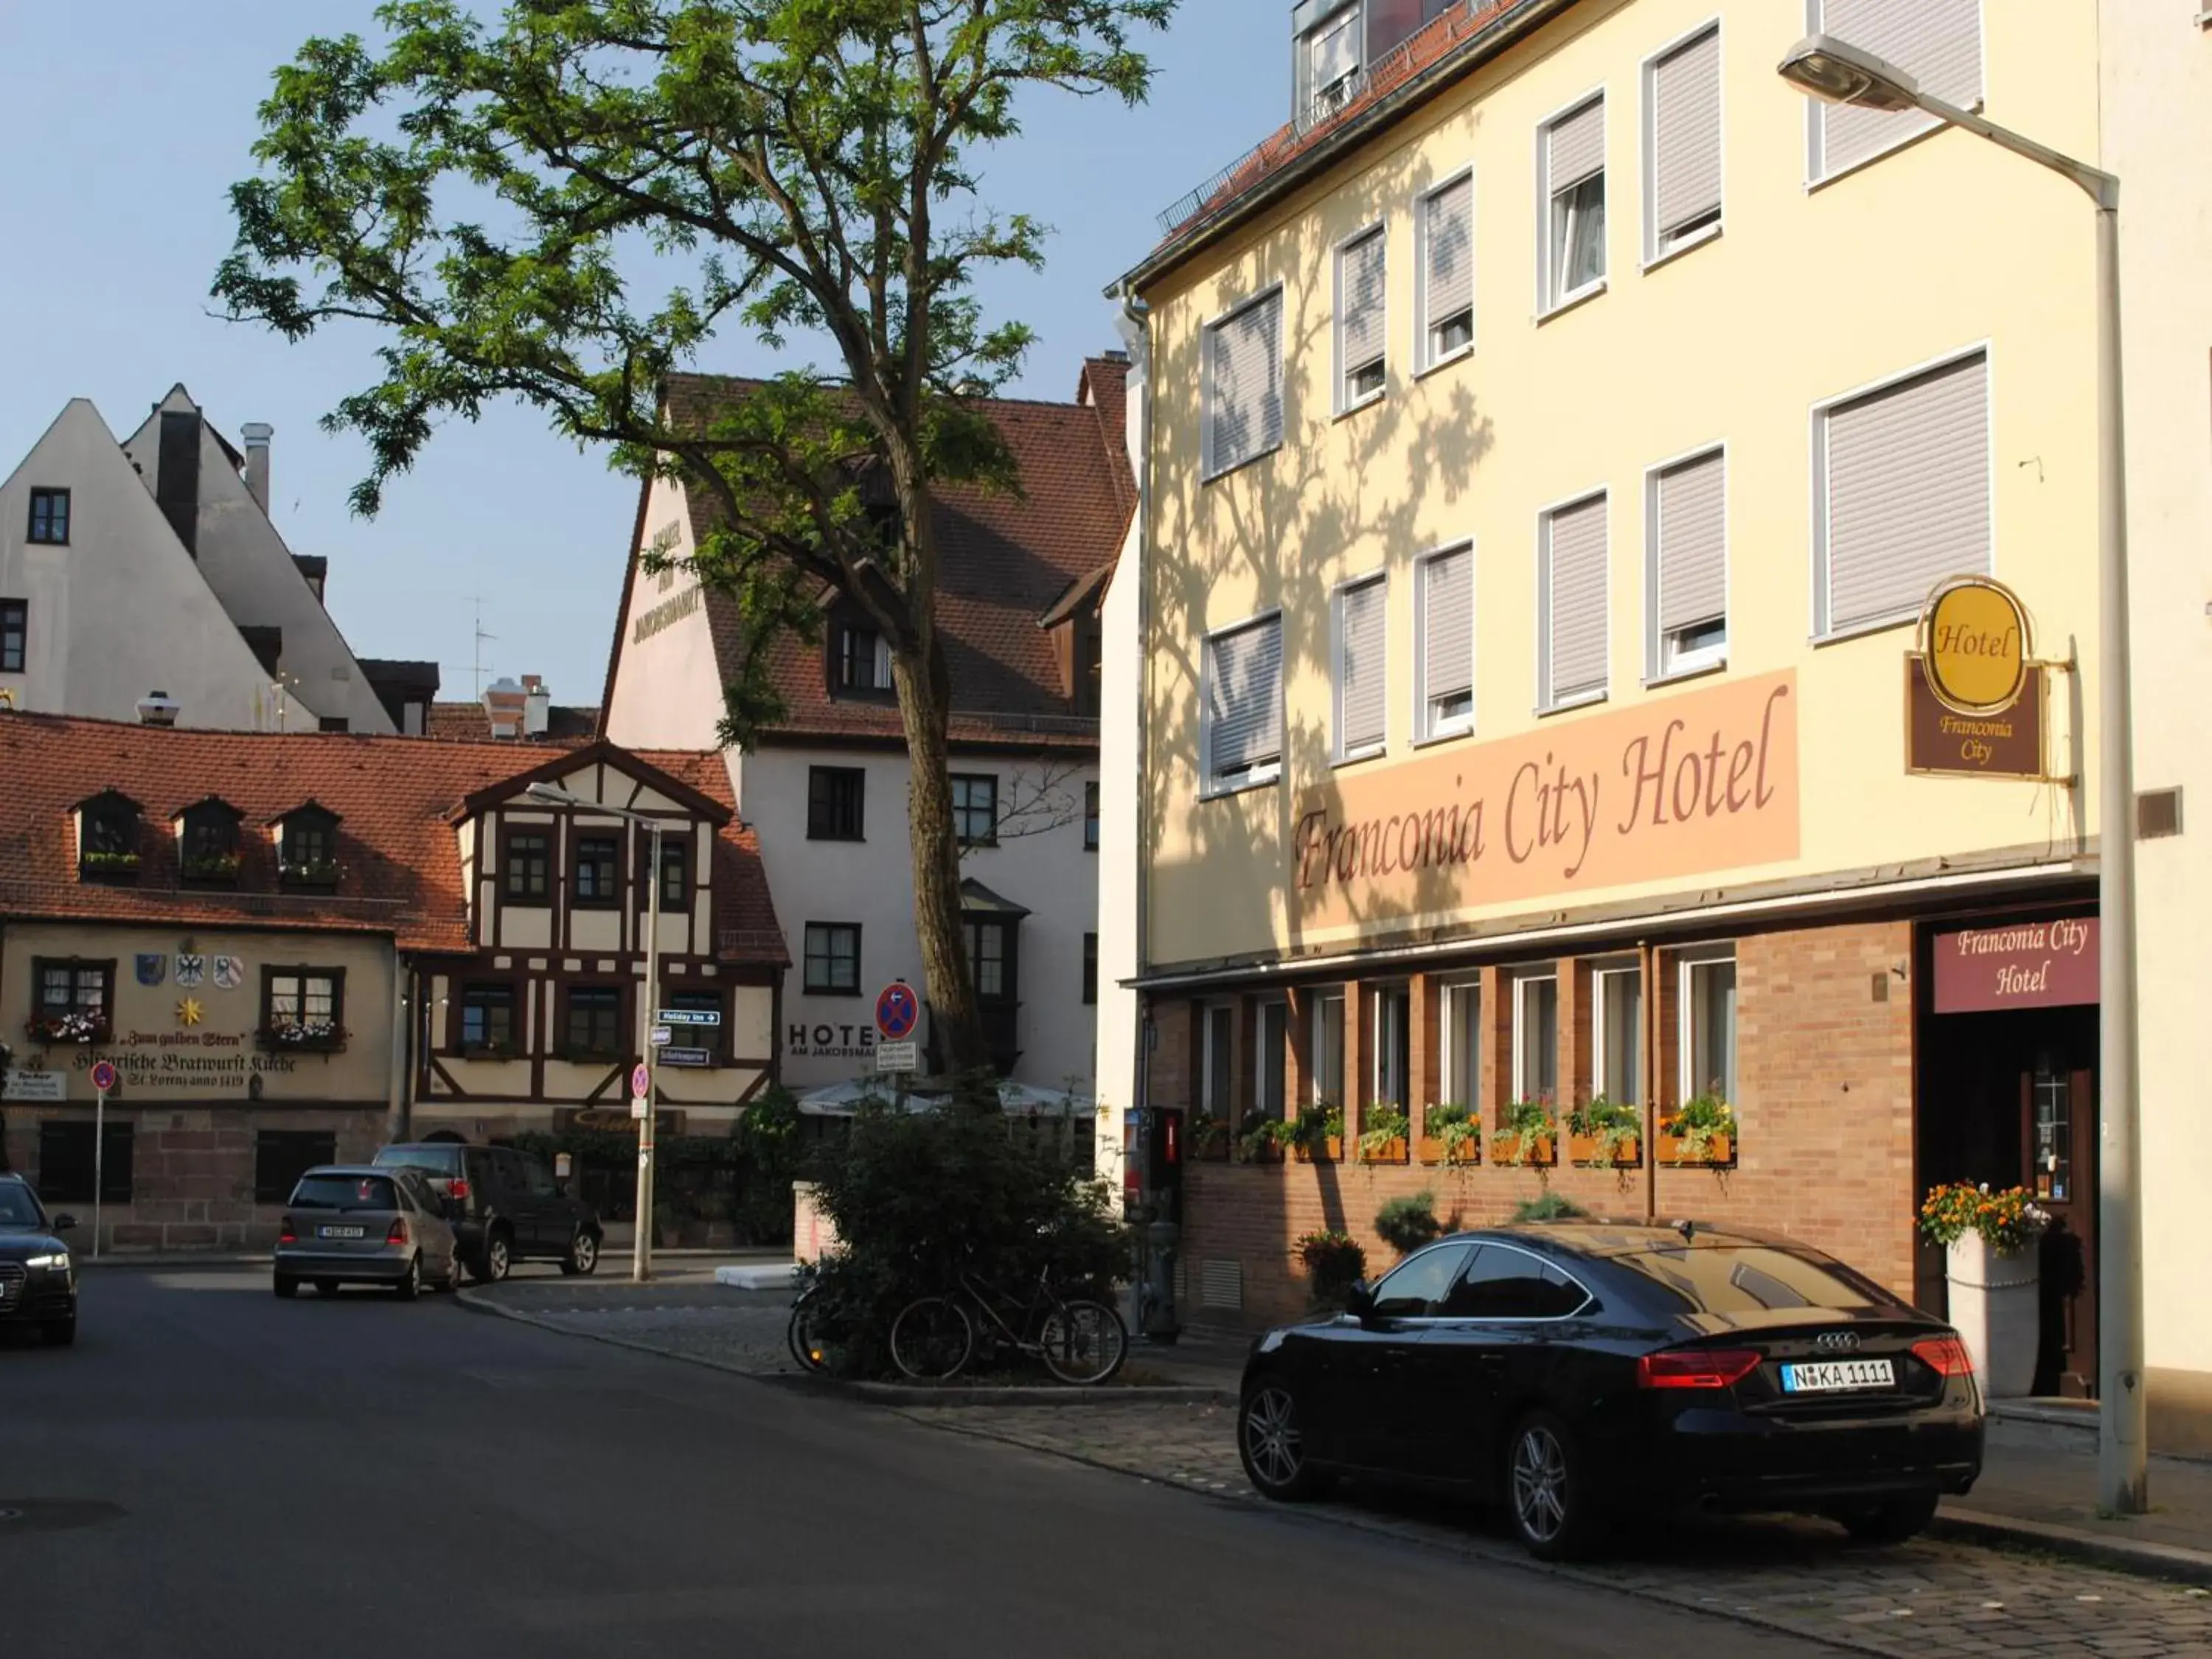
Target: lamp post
x=1843, y=73
x=640, y=1258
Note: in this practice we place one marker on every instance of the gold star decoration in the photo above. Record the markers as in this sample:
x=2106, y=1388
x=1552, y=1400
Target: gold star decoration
x=189, y=1012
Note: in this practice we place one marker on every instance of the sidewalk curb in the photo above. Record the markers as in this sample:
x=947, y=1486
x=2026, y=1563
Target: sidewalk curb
x=2141, y=1557
x=176, y=1259
x=473, y=1300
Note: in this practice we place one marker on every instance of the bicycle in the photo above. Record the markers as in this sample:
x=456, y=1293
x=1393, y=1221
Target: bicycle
x=806, y=1348
x=1081, y=1341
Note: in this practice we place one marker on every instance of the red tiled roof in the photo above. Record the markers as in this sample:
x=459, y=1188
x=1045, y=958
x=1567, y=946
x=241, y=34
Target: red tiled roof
x=1005, y=559
x=399, y=855
x=467, y=722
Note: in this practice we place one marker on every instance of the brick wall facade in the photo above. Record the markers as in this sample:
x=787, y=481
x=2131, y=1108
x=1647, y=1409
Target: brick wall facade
x=1824, y=1070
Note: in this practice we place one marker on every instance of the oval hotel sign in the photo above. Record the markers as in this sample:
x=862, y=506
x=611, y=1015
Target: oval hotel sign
x=1974, y=638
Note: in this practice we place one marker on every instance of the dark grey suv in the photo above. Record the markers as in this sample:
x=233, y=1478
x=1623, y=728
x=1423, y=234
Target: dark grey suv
x=504, y=1205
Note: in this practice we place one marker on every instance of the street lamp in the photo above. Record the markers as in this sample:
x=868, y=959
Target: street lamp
x=1841, y=73
x=640, y=1259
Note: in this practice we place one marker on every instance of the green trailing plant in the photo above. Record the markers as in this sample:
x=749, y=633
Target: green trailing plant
x=1333, y=1262
x=1206, y=1132
x=1527, y=1122
x=1384, y=1125
x=1456, y=1129
x=211, y=867
x=94, y=860
x=1614, y=1126
x=1258, y=1135
x=1315, y=1126
x=1409, y=1221
x=1550, y=1207
x=1700, y=1122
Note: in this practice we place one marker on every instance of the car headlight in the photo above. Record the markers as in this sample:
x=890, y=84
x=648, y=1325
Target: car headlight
x=50, y=1261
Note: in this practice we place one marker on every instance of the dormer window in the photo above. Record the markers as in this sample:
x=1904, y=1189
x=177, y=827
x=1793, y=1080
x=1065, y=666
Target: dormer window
x=207, y=842
x=107, y=838
x=307, y=848
x=860, y=660
x=1332, y=56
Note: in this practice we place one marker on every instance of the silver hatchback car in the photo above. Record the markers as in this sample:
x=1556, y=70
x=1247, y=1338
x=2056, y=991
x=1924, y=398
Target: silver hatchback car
x=358, y=1224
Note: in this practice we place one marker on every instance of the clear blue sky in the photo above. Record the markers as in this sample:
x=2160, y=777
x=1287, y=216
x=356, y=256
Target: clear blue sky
x=122, y=126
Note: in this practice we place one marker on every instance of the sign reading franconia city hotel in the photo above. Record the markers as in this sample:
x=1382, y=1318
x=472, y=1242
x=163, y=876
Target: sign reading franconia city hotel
x=2028, y=964
x=1677, y=786
x=1973, y=692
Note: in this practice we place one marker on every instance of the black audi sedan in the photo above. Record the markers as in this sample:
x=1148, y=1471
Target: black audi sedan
x=1593, y=1373
x=38, y=1279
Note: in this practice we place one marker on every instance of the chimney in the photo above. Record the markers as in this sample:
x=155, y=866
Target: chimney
x=177, y=475
x=505, y=707
x=256, y=435
x=157, y=709
x=537, y=706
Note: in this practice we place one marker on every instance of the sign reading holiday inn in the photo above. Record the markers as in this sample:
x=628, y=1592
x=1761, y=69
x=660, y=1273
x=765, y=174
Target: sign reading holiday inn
x=1674, y=787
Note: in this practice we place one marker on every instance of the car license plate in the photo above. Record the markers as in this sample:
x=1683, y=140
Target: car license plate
x=341, y=1232
x=1837, y=1375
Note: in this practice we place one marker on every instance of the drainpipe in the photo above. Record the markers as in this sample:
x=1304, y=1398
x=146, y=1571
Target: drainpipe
x=397, y=1116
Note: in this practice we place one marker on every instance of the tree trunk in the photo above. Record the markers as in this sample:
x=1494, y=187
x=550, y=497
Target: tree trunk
x=924, y=694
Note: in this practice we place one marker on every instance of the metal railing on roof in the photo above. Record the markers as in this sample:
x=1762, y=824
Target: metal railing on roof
x=1074, y=725
x=737, y=941
x=1340, y=98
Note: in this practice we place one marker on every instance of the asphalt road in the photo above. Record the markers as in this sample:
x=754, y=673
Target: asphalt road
x=211, y=1472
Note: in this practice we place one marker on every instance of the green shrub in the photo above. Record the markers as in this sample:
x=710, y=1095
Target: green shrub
x=1551, y=1207
x=1408, y=1223
x=1334, y=1263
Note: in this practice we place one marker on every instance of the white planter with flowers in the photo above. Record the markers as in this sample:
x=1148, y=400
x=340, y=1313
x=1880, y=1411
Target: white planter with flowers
x=1994, y=1241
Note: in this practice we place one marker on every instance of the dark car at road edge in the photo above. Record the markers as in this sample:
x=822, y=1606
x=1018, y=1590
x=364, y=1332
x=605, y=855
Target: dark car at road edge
x=505, y=1206
x=38, y=1276
x=1589, y=1372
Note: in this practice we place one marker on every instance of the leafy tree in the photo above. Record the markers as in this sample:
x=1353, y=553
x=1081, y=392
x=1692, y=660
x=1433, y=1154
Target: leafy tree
x=806, y=166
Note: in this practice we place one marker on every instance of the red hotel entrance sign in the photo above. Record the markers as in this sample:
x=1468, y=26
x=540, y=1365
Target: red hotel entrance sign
x=2028, y=964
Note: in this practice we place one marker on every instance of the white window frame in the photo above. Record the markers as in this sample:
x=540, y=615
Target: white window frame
x=1545, y=705
x=1547, y=307
x=1315, y=1095
x=1687, y=962
x=1211, y=786
x=1344, y=403
x=1379, y=1063
x=1426, y=728
x=1821, y=633
x=1521, y=982
x=1314, y=111
x=1224, y=1110
x=1338, y=755
x=1654, y=255
x=1453, y=991
x=1815, y=178
x=1602, y=973
x=1207, y=330
x=1423, y=363
x=1706, y=659
x=1260, y=1010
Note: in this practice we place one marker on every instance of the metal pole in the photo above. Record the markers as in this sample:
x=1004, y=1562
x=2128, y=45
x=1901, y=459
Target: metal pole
x=641, y=1264
x=98, y=1161
x=2121, y=1476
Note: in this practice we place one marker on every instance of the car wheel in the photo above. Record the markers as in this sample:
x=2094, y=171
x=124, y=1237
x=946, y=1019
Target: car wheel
x=583, y=1255
x=1891, y=1521
x=1271, y=1442
x=410, y=1284
x=287, y=1288
x=61, y=1333
x=327, y=1287
x=498, y=1257
x=1551, y=1513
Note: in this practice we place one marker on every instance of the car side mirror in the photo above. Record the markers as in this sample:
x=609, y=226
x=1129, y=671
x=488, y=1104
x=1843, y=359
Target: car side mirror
x=64, y=1223
x=1359, y=1300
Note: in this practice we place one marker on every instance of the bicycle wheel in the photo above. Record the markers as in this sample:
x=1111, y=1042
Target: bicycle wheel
x=931, y=1339
x=805, y=1346
x=1083, y=1342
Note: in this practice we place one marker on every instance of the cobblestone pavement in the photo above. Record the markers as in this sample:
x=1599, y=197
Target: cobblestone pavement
x=686, y=1317
x=1931, y=1600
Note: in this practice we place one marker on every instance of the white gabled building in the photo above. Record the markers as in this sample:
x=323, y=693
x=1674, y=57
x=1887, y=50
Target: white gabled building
x=148, y=573
x=826, y=788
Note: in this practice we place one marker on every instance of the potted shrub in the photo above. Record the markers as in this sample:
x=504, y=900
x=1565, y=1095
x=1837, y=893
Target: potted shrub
x=1605, y=1134
x=1702, y=1132
x=1209, y=1139
x=1450, y=1134
x=1407, y=1222
x=1528, y=1136
x=1334, y=1263
x=1318, y=1134
x=1993, y=1241
x=1262, y=1138
x=1383, y=1134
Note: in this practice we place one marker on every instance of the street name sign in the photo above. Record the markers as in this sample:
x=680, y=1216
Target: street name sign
x=662, y=1036
x=688, y=1017
x=687, y=1056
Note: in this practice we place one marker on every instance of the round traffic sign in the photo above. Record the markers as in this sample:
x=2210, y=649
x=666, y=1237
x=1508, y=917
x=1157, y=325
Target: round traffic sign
x=898, y=1011
x=640, y=1081
x=103, y=1076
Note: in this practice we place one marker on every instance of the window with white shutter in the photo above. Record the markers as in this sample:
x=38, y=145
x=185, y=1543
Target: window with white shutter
x=1243, y=725
x=1938, y=41
x=1244, y=384
x=1902, y=483
x=1362, y=329
x=1682, y=144
x=1362, y=629
x=1446, y=233
x=1686, y=538
x=1571, y=596
x=1445, y=594
x=1570, y=151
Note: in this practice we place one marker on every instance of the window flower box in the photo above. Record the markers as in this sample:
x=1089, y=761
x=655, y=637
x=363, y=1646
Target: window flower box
x=1317, y=1135
x=1530, y=1135
x=1383, y=1130
x=1701, y=1135
x=310, y=872
x=488, y=1051
x=107, y=866
x=73, y=1028
x=1209, y=1140
x=1450, y=1134
x=212, y=866
x=1605, y=1135
x=312, y=1036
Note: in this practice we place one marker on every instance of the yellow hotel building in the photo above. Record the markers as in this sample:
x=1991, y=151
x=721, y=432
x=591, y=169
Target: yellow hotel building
x=1550, y=439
